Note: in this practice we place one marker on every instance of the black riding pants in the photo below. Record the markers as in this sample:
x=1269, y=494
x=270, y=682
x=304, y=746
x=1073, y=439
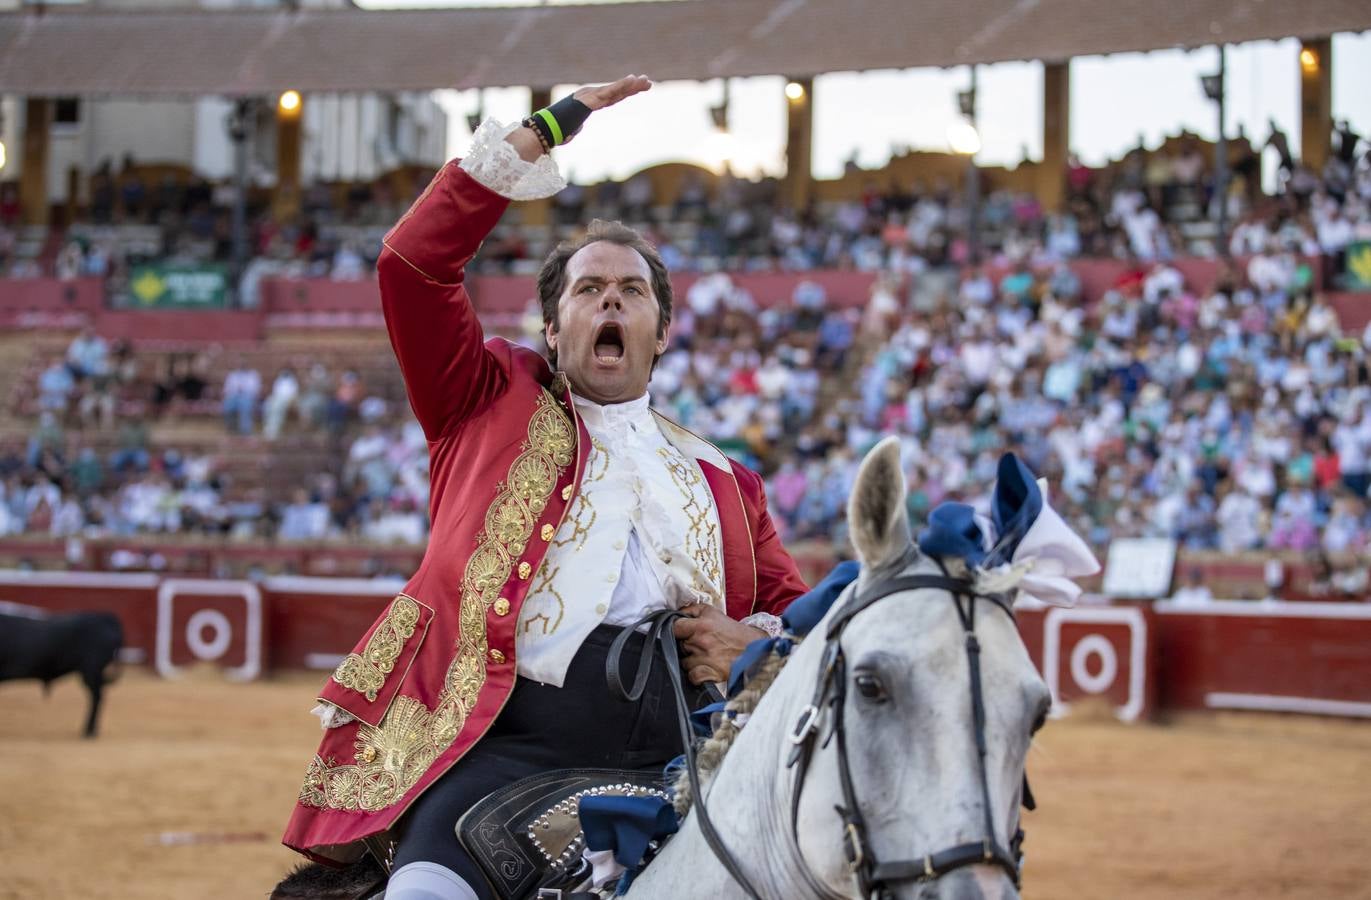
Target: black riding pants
x=543, y=728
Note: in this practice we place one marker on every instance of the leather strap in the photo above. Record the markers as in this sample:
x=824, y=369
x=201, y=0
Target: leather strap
x=660, y=636
x=938, y=864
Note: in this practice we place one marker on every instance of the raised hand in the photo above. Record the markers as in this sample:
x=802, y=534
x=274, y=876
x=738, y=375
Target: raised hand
x=598, y=96
x=595, y=96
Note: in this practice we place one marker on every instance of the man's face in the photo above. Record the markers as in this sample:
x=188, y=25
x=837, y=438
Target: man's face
x=608, y=317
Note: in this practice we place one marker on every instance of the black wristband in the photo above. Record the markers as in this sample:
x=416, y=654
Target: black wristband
x=570, y=114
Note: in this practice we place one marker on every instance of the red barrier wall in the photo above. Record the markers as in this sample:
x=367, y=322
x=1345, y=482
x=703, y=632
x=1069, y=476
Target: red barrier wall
x=41, y=302
x=187, y=325
x=1299, y=657
x=1313, y=657
x=51, y=295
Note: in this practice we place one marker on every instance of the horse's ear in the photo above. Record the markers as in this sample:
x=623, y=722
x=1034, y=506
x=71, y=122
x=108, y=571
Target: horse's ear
x=876, y=511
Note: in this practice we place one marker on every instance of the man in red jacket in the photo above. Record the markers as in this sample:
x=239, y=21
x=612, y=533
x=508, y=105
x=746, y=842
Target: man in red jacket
x=562, y=509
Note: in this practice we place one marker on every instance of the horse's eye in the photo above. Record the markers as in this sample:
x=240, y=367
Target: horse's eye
x=870, y=687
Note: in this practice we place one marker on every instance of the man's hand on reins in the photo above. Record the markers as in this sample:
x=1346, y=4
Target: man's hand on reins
x=597, y=96
x=712, y=641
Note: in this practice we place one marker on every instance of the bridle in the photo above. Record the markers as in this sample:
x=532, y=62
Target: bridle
x=874, y=876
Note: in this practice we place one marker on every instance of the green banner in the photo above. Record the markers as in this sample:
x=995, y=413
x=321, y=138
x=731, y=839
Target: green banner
x=161, y=286
x=1359, y=266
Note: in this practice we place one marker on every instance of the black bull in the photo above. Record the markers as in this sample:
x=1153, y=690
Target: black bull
x=47, y=648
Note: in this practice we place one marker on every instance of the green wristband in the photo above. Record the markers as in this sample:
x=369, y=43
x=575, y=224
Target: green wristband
x=551, y=121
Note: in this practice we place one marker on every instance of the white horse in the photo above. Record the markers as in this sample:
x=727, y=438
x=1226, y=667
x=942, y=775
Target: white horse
x=910, y=736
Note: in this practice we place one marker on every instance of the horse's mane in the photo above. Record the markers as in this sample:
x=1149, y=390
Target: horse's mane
x=711, y=754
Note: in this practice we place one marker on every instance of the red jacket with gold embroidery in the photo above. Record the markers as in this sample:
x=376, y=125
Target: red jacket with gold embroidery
x=506, y=456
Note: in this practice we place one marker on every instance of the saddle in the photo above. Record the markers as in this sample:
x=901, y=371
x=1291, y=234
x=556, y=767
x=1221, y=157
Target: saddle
x=527, y=837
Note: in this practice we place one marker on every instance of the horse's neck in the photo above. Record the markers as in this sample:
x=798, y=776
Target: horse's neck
x=748, y=799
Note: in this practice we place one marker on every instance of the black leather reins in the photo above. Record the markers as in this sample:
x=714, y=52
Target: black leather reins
x=659, y=635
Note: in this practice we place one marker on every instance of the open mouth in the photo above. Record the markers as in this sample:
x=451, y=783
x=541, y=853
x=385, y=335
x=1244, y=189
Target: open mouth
x=609, y=344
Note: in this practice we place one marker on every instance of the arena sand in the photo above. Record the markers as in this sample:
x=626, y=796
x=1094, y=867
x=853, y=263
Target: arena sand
x=185, y=793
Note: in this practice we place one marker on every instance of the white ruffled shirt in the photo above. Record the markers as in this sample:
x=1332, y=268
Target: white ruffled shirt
x=641, y=534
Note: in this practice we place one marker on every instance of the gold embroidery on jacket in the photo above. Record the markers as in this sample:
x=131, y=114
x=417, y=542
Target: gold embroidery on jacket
x=366, y=672
x=391, y=757
x=545, y=607
x=542, y=597
x=577, y=526
x=702, y=539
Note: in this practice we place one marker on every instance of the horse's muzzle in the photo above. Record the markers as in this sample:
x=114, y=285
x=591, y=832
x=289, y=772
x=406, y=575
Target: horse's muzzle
x=971, y=883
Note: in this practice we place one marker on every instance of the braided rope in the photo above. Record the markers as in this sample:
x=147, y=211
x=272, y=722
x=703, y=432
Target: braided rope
x=711, y=754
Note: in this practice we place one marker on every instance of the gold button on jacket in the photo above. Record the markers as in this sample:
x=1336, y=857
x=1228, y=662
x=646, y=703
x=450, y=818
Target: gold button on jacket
x=502, y=607
x=547, y=532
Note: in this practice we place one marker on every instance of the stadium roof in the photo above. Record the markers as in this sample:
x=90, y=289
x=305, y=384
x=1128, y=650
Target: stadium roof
x=236, y=52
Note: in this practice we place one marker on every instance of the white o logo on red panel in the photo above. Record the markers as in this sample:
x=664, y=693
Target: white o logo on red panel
x=1086, y=647
x=218, y=624
x=1074, y=660
x=210, y=633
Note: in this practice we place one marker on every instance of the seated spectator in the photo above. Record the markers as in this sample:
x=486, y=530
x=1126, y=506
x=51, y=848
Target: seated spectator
x=348, y=264
x=1195, y=591
x=195, y=377
x=55, y=388
x=48, y=439
x=98, y=401
x=167, y=385
x=132, y=450
x=314, y=398
x=347, y=396
x=285, y=389
x=303, y=519
x=88, y=355
x=242, y=387
x=86, y=473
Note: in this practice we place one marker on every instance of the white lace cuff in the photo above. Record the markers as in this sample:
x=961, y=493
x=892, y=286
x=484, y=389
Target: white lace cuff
x=767, y=622
x=331, y=716
x=495, y=163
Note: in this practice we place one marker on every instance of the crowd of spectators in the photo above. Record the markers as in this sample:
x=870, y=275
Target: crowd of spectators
x=1150, y=205
x=1234, y=418
x=180, y=221
x=90, y=467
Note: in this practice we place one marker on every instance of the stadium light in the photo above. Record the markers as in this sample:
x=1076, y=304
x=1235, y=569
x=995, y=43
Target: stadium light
x=2, y=156
x=794, y=91
x=289, y=102
x=1309, y=60
x=964, y=138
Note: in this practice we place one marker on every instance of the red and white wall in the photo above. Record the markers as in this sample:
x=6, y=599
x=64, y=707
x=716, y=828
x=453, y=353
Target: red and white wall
x=1137, y=657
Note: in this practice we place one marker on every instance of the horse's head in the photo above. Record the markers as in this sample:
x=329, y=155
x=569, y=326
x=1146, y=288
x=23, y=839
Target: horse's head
x=908, y=720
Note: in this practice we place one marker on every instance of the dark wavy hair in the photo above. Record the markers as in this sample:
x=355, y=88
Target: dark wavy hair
x=552, y=276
